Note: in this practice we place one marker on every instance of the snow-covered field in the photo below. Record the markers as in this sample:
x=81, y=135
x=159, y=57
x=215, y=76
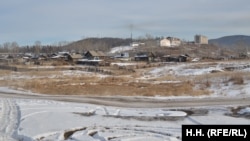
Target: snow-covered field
x=48, y=120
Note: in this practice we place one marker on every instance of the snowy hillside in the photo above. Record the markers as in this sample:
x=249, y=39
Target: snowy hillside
x=121, y=49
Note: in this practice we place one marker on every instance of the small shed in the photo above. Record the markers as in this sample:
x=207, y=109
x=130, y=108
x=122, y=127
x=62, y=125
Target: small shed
x=176, y=58
x=145, y=56
x=122, y=55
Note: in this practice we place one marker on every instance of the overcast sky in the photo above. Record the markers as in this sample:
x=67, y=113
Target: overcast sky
x=51, y=21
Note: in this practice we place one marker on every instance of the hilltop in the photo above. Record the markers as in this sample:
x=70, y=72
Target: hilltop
x=103, y=44
x=232, y=42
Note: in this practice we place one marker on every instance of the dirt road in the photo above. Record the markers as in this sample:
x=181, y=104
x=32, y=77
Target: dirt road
x=137, y=102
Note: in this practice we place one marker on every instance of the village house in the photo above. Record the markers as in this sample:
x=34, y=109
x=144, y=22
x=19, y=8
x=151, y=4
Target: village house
x=122, y=55
x=174, y=58
x=93, y=58
x=60, y=56
x=75, y=57
x=6, y=58
x=145, y=56
x=95, y=55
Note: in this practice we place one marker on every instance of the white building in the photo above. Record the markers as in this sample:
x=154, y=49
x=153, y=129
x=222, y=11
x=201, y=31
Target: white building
x=174, y=41
x=165, y=43
x=170, y=42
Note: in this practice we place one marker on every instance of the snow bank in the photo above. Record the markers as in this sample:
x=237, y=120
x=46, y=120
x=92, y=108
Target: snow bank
x=124, y=64
x=121, y=49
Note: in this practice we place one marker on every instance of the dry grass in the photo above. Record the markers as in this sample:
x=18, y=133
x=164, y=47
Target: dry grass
x=42, y=82
x=222, y=78
x=122, y=83
x=237, y=79
x=106, y=86
x=5, y=72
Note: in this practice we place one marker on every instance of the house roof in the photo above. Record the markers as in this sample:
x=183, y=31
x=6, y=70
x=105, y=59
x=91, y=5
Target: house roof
x=175, y=55
x=77, y=56
x=145, y=54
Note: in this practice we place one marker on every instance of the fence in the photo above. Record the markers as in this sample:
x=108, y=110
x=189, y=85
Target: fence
x=8, y=68
x=88, y=69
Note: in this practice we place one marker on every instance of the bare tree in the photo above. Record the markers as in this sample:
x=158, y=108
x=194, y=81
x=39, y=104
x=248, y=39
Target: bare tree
x=149, y=36
x=37, y=47
x=1, y=47
x=14, y=48
x=6, y=46
x=242, y=48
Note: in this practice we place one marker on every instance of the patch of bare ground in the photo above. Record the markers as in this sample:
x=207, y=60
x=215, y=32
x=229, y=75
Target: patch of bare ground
x=67, y=134
x=239, y=112
x=195, y=112
x=234, y=77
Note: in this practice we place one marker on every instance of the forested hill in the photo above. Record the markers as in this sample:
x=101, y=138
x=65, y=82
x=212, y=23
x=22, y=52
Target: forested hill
x=103, y=44
x=232, y=41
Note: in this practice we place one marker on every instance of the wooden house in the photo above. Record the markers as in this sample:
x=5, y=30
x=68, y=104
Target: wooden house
x=75, y=57
x=95, y=55
x=145, y=56
x=176, y=58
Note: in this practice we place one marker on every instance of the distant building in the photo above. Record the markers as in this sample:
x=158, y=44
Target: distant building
x=174, y=41
x=137, y=44
x=165, y=43
x=170, y=42
x=200, y=39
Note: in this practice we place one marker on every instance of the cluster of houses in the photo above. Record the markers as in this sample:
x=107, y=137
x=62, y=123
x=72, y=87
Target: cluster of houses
x=91, y=57
x=88, y=58
x=100, y=58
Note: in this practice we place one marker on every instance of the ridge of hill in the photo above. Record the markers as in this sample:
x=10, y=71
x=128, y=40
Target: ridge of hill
x=233, y=41
x=103, y=44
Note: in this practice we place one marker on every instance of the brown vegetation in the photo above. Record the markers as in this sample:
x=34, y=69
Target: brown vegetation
x=237, y=79
x=108, y=86
x=54, y=82
x=121, y=82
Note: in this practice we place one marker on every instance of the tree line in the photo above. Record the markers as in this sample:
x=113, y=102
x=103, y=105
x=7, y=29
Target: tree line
x=102, y=44
x=36, y=48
